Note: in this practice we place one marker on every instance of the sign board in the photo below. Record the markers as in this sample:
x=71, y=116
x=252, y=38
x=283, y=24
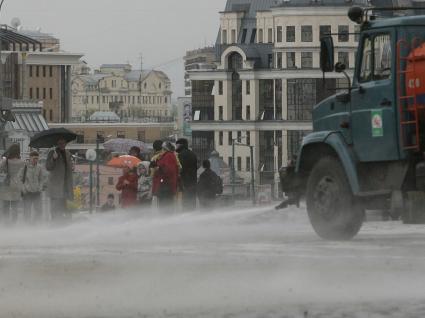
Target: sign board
x=377, y=123
x=187, y=119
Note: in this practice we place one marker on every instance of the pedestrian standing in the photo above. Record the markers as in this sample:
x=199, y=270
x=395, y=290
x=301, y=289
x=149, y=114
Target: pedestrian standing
x=135, y=152
x=109, y=205
x=33, y=182
x=60, y=184
x=144, y=184
x=11, y=189
x=209, y=185
x=165, y=178
x=127, y=184
x=188, y=174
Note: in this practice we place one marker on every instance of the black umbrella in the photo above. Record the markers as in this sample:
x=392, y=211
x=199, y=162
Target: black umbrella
x=49, y=138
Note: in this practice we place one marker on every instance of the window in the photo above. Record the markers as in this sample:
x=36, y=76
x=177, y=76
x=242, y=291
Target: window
x=279, y=34
x=51, y=115
x=44, y=71
x=233, y=36
x=306, y=59
x=279, y=60
x=110, y=180
x=356, y=33
x=290, y=33
x=290, y=59
x=260, y=36
x=248, y=112
x=51, y=92
x=220, y=87
x=270, y=35
x=248, y=138
x=382, y=49
x=141, y=136
x=37, y=71
x=253, y=36
x=37, y=94
x=325, y=30
x=51, y=71
x=230, y=160
x=30, y=70
x=224, y=39
x=220, y=138
x=220, y=112
x=239, y=163
x=44, y=113
x=248, y=87
x=230, y=138
x=343, y=57
x=44, y=93
x=270, y=60
x=239, y=138
x=306, y=33
x=244, y=33
x=343, y=33
x=80, y=137
x=121, y=134
x=248, y=164
x=366, y=66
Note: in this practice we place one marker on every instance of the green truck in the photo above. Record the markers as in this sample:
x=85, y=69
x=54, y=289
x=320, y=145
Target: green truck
x=366, y=151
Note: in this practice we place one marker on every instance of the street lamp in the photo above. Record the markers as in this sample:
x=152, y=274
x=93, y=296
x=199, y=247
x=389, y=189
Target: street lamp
x=91, y=157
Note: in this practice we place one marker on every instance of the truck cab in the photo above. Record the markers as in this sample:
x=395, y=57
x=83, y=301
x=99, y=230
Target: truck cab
x=368, y=140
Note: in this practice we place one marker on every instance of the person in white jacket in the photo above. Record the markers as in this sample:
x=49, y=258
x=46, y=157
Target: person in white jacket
x=33, y=183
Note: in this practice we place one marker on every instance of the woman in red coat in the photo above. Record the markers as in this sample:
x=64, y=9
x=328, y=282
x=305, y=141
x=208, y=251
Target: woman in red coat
x=165, y=179
x=127, y=184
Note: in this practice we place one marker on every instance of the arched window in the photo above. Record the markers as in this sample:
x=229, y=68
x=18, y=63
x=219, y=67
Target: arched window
x=235, y=61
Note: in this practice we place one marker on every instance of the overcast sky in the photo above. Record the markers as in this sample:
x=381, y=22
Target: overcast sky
x=118, y=31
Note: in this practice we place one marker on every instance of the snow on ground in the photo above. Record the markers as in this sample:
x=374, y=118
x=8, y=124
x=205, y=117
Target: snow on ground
x=244, y=263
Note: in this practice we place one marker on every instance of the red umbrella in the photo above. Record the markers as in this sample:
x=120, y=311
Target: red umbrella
x=124, y=161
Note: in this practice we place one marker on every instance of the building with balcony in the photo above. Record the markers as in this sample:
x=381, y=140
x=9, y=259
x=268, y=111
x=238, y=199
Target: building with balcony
x=31, y=72
x=268, y=80
x=200, y=59
x=132, y=94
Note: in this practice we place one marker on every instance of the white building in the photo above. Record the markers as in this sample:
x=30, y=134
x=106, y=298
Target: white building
x=267, y=80
x=132, y=94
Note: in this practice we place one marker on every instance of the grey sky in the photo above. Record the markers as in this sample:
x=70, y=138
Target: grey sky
x=117, y=31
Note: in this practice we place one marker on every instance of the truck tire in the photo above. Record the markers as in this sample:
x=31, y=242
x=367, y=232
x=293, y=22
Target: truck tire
x=332, y=209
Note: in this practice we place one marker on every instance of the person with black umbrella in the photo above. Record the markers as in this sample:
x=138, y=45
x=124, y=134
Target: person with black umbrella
x=60, y=185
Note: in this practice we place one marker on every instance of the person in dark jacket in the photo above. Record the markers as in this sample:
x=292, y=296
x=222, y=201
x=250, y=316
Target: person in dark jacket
x=188, y=174
x=60, y=186
x=209, y=185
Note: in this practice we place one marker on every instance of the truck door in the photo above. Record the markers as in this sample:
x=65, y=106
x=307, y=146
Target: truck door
x=373, y=103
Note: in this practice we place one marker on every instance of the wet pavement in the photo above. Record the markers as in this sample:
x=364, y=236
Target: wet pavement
x=245, y=263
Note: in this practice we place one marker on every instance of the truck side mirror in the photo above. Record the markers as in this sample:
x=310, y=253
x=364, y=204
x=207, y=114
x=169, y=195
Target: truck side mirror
x=326, y=54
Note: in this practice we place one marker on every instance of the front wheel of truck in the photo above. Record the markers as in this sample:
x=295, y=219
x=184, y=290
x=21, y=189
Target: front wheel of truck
x=332, y=209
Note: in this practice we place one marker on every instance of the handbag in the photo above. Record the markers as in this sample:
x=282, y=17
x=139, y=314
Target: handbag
x=4, y=176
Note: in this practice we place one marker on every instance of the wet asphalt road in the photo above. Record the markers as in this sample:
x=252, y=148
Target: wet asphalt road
x=245, y=263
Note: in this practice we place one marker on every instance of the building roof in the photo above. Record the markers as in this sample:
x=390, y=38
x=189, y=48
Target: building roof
x=136, y=75
x=104, y=117
x=28, y=117
x=115, y=66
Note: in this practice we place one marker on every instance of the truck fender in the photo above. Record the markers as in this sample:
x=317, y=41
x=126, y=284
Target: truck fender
x=330, y=143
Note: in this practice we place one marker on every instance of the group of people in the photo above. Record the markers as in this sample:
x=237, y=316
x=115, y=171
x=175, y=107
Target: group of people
x=24, y=181
x=170, y=171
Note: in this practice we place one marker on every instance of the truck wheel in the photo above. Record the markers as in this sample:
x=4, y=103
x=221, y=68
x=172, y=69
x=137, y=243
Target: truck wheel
x=331, y=206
